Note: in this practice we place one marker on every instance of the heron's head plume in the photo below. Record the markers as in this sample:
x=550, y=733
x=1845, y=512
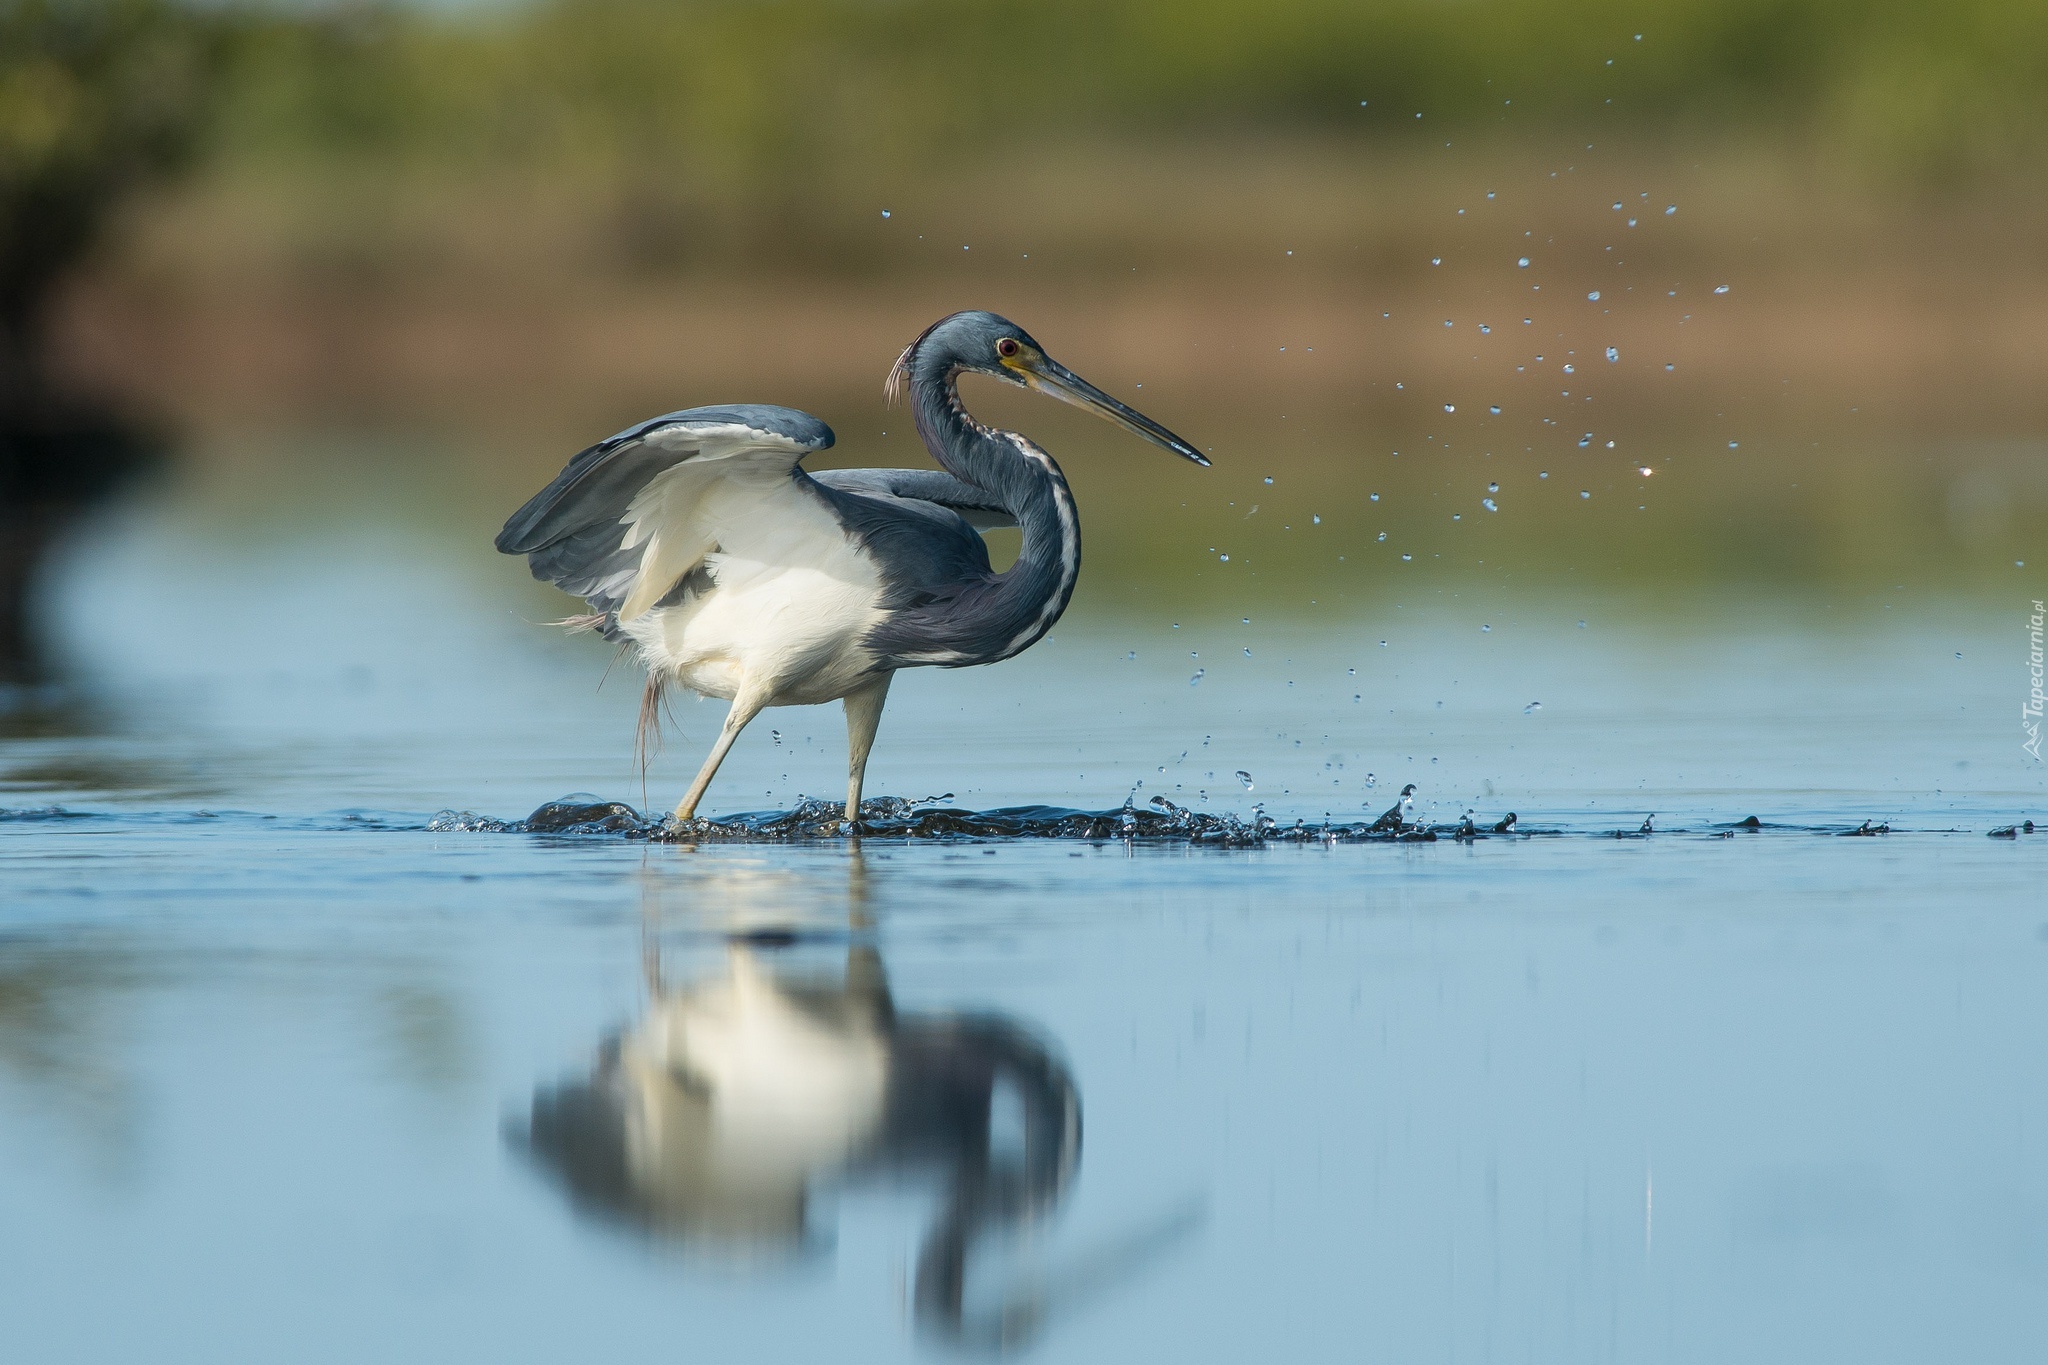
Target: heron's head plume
x=972, y=340
x=987, y=343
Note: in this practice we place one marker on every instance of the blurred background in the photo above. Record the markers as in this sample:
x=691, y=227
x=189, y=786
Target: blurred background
x=1695, y=309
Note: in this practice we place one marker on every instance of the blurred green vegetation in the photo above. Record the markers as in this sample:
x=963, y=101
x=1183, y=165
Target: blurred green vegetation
x=724, y=129
x=725, y=97
x=95, y=101
x=711, y=120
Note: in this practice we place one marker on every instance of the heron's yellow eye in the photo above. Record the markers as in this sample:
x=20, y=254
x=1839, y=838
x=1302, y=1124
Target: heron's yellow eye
x=1007, y=347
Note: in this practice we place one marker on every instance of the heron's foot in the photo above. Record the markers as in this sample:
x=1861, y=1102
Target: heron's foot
x=695, y=830
x=685, y=820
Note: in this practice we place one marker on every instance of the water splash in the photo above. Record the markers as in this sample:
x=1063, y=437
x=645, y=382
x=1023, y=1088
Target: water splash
x=1159, y=820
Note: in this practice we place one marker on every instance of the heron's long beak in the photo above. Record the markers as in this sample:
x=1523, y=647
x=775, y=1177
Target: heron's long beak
x=1049, y=376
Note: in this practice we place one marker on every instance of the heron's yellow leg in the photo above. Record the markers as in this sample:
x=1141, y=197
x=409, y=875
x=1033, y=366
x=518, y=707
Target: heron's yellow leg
x=863, y=718
x=744, y=708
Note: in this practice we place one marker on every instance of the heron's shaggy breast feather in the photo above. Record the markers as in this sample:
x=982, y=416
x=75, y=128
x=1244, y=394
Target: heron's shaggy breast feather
x=791, y=597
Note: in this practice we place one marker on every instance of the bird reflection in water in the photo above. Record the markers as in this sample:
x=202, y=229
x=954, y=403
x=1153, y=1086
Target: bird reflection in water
x=713, y=1120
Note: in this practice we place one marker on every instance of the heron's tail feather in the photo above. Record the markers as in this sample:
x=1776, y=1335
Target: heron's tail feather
x=647, y=735
x=575, y=625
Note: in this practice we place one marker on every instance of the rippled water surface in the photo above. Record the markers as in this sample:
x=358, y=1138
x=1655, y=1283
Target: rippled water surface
x=292, y=1069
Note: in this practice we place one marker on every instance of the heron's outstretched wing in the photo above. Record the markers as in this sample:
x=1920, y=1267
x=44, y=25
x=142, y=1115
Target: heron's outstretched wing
x=616, y=527
x=981, y=508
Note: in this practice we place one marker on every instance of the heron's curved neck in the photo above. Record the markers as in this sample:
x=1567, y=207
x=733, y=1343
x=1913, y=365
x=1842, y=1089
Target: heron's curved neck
x=1029, y=485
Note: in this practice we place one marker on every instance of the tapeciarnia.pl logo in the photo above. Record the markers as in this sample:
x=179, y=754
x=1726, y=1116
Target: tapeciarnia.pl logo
x=2030, y=713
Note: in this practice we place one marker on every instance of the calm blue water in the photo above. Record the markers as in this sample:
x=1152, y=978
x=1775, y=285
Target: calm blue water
x=283, y=1075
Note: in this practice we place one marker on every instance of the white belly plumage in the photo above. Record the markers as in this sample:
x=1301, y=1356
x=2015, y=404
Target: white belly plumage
x=792, y=599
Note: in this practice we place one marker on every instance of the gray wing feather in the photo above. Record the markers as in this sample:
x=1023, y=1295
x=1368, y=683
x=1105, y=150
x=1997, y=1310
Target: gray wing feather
x=981, y=508
x=573, y=532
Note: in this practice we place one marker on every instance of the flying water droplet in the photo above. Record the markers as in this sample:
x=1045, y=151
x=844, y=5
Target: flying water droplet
x=1247, y=651
x=1569, y=369
x=1245, y=778
x=1670, y=209
x=1668, y=368
x=1436, y=260
x=1523, y=263
x=1486, y=628
x=1532, y=708
x=1371, y=780
x=1585, y=440
x=1613, y=354
x=885, y=213
x=1196, y=680
x=1484, y=330
x=1493, y=488
x=1494, y=409
x=1593, y=297
x=1488, y=504
x=1383, y=535
x=1406, y=558
x=775, y=735
x=1584, y=494
x=1269, y=478
x=1375, y=497
x=1450, y=407
x=1720, y=289
x=1316, y=519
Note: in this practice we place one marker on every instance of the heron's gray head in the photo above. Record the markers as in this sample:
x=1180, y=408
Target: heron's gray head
x=987, y=343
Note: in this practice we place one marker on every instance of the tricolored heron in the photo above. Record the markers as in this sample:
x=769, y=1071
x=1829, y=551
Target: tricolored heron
x=699, y=538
